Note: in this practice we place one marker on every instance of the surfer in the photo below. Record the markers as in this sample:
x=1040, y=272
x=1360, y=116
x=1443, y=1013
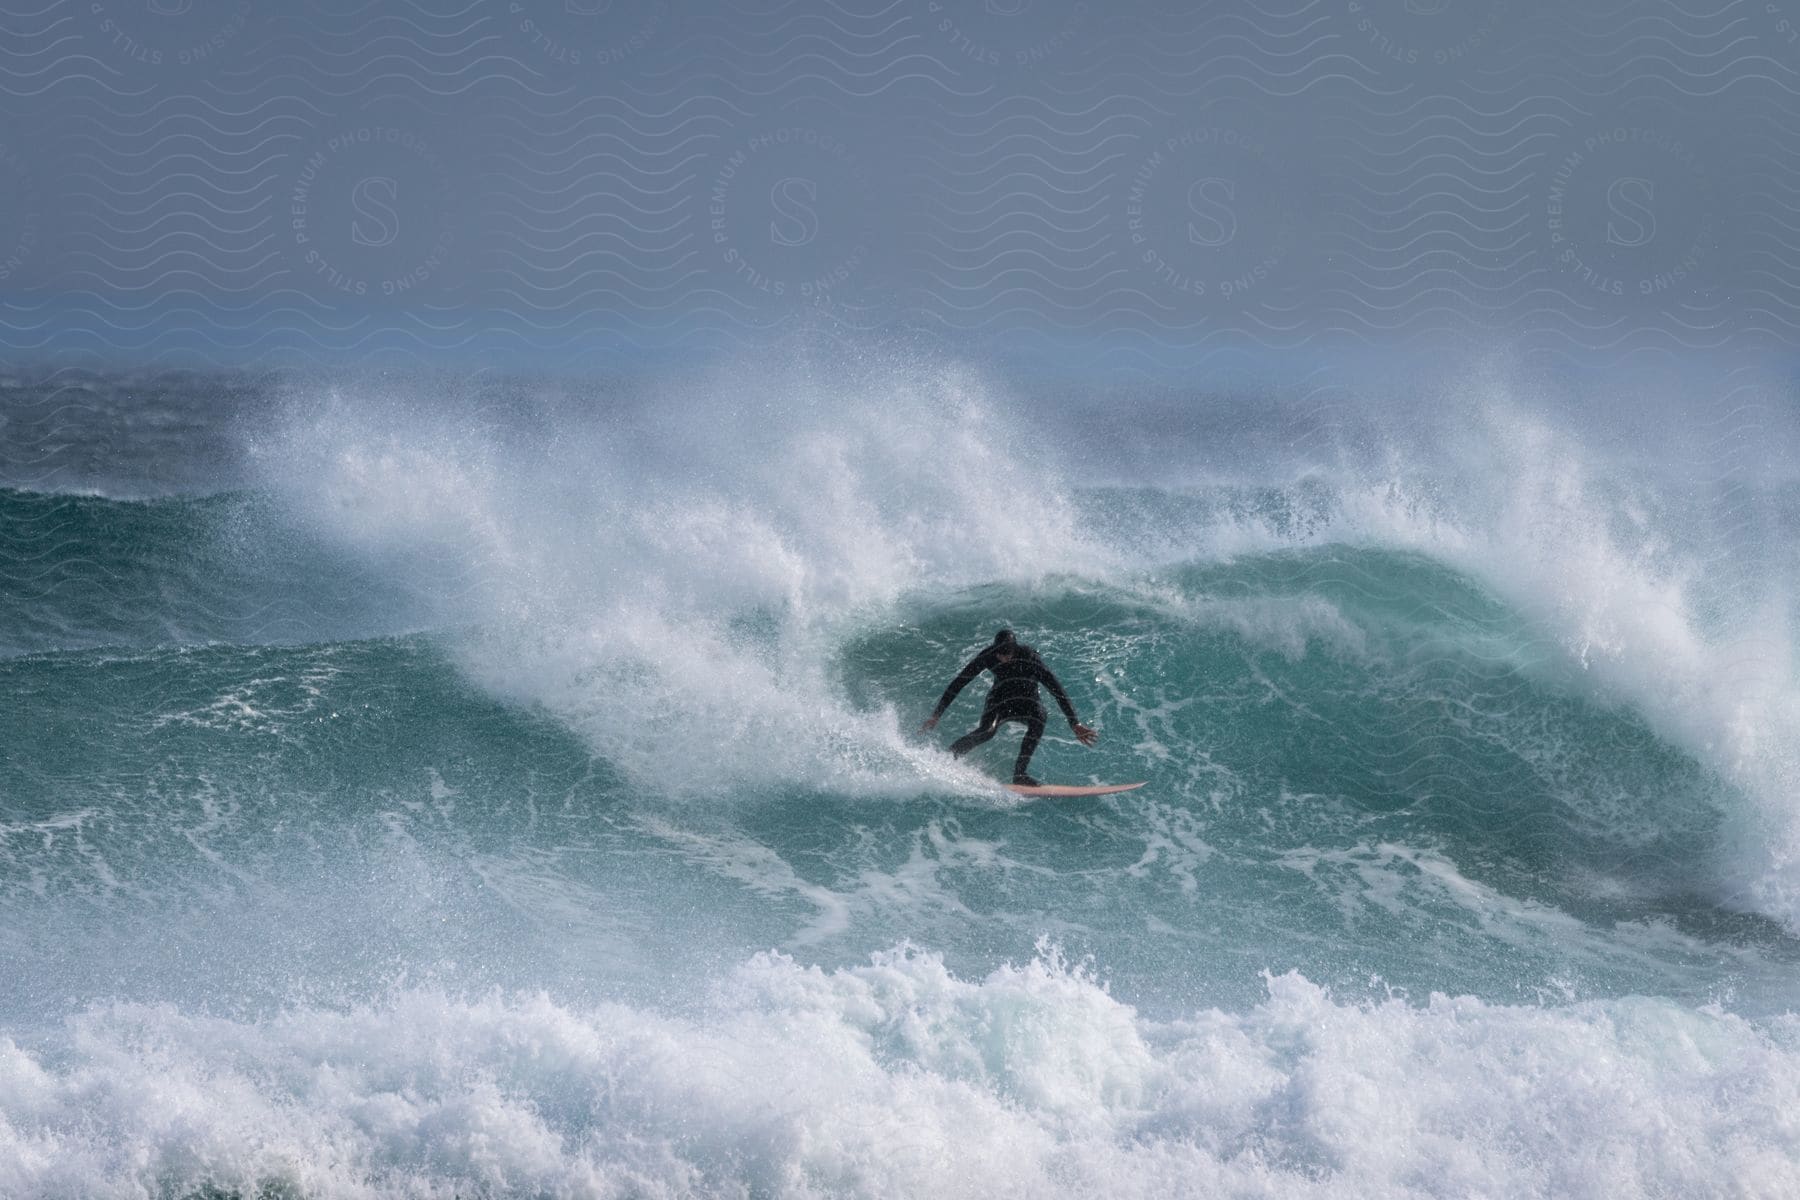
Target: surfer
x=1017, y=672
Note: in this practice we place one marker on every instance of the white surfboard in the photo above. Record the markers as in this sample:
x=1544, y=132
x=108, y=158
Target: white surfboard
x=1063, y=789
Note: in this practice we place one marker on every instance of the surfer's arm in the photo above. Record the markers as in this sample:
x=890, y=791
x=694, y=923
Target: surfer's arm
x=1048, y=678
x=1083, y=734
x=976, y=666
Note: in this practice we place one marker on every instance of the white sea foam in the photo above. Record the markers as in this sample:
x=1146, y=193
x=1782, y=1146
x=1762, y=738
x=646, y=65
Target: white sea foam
x=899, y=1079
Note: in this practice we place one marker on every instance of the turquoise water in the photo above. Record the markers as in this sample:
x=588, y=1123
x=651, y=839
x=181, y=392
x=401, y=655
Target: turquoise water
x=436, y=809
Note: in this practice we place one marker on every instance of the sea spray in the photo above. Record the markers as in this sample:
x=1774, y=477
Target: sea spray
x=897, y=1077
x=677, y=576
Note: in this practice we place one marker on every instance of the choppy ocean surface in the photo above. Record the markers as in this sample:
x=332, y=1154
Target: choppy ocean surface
x=517, y=792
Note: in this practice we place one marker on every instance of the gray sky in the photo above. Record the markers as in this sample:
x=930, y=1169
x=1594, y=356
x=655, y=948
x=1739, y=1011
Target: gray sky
x=1133, y=187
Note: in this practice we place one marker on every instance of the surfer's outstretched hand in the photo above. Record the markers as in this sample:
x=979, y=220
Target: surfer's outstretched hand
x=929, y=725
x=1084, y=735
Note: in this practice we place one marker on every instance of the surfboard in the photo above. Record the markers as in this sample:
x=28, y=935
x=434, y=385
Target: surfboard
x=1063, y=789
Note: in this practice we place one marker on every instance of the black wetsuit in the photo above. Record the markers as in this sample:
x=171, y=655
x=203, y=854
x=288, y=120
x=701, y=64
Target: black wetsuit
x=1014, y=698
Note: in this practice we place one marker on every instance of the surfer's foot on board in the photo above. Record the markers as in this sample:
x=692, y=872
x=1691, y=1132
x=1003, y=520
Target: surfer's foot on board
x=1020, y=779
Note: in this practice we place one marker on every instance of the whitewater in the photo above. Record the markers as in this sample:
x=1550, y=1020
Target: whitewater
x=503, y=787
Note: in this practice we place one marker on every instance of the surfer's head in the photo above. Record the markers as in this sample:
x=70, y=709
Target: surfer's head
x=1005, y=644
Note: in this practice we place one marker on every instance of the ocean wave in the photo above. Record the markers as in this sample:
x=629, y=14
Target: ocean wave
x=85, y=571
x=897, y=1077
